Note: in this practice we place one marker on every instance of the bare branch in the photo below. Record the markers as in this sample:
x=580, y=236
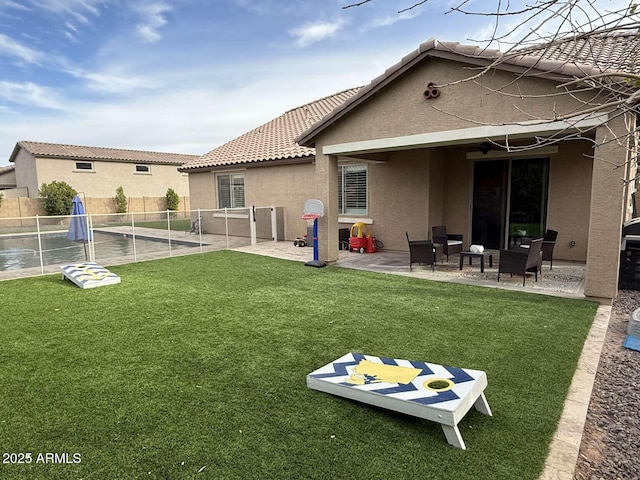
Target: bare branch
x=356, y=4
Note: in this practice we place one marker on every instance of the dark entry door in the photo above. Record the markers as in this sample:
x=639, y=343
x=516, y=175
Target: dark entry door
x=489, y=202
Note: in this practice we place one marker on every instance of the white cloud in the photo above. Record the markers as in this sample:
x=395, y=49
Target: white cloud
x=29, y=94
x=316, y=32
x=10, y=48
x=153, y=20
x=113, y=83
x=392, y=19
x=11, y=4
x=69, y=6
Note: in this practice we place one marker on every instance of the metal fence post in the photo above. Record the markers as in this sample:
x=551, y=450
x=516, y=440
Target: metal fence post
x=200, y=229
x=274, y=225
x=169, y=230
x=133, y=234
x=226, y=226
x=40, y=244
x=252, y=225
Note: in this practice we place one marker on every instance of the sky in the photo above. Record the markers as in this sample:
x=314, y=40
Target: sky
x=186, y=76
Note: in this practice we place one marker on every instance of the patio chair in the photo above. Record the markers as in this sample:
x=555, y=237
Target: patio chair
x=520, y=260
x=451, y=242
x=548, y=242
x=421, y=251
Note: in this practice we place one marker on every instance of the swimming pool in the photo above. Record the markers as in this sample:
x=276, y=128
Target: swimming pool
x=23, y=251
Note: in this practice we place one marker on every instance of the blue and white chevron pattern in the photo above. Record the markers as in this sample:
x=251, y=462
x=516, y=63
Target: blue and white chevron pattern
x=89, y=275
x=339, y=371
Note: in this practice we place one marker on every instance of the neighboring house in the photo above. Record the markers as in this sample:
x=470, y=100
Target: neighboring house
x=403, y=158
x=7, y=177
x=98, y=171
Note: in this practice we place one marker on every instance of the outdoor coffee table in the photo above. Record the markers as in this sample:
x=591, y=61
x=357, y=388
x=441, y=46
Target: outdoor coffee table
x=473, y=255
x=425, y=390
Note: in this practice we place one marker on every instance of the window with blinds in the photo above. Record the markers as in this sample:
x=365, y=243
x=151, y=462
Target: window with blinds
x=231, y=191
x=352, y=189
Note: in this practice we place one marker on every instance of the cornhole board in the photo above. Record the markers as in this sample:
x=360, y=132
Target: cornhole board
x=89, y=275
x=426, y=390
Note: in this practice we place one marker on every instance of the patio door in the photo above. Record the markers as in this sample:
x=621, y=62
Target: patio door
x=509, y=201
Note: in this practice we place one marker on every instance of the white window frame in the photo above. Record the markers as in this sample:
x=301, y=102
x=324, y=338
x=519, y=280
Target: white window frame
x=78, y=169
x=234, y=188
x=356, y=202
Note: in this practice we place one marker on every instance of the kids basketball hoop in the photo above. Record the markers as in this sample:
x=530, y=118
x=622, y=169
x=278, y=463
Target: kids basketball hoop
x=313, y=210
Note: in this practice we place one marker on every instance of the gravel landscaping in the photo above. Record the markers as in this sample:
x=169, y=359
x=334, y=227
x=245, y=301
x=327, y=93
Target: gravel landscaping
x=611, y=438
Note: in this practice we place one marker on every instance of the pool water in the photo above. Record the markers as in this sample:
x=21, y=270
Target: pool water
x=17, y=252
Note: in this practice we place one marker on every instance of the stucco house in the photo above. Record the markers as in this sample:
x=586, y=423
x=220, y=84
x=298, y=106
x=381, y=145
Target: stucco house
x=7, y=177
x=425, y=145
x=98, y=171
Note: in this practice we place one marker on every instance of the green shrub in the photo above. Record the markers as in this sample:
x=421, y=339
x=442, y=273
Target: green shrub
x=57, y=197
x=172, y=199
x=121, y=200
x=1, y=197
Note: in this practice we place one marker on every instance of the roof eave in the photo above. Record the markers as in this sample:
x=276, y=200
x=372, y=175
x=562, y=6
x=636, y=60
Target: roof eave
x=248, y=164
x=14, y=154
x=104, y=159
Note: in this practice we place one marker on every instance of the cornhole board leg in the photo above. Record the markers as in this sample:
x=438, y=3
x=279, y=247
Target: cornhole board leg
x=453, y=436
x=482, y=405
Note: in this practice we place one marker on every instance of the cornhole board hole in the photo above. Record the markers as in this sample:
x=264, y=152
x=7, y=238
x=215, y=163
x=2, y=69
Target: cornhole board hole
x=89, y=275
x=425, y=390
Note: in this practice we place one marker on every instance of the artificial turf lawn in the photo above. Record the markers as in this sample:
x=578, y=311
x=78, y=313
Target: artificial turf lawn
x=195, y=366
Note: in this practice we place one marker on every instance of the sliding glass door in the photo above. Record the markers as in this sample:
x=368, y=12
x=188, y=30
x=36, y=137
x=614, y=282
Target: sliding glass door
x=509, y=201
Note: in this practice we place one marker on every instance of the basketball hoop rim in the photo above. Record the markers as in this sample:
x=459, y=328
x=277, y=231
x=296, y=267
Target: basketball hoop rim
x=310, y=216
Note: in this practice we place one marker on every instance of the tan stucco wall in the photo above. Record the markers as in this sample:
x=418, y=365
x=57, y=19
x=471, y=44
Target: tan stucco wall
x=103, y=180
x=277, y=185
x=399, y=198
x=8, y=179
x=289, y=186
x=26, y=173
x=607, y=213
x=401, y=109
x=570, y=176
x=456, y=208
x=202, y=190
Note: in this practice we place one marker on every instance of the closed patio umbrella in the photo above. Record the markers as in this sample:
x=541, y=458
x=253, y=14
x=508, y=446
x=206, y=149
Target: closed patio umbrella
x=78, y=229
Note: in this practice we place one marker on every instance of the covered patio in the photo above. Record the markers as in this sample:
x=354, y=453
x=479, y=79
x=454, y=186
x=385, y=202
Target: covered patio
x=566, y=279
x=490, y=166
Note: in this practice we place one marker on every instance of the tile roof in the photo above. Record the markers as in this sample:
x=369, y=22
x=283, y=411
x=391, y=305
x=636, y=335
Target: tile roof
x=7, y=169
x=275, y=140
x=56, y=150
x=608, y=51
x=616, y=51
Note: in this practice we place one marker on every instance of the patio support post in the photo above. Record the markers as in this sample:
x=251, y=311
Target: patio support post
x=327, y=192
x=607, y=210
